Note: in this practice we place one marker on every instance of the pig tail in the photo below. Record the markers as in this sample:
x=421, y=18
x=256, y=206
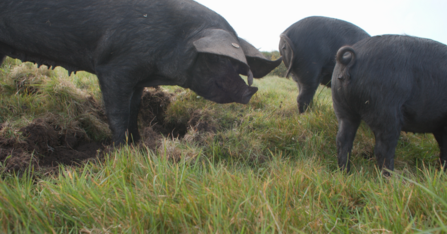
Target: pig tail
x=346, y=56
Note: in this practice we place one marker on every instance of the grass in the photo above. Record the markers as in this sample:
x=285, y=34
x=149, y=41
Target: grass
x=266, y=169
x=28, y=92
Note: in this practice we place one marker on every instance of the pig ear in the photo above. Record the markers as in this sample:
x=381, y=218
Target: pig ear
x=220, y=42
x=259, y=65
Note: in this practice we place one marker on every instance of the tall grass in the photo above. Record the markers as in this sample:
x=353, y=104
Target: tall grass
x=266, y=170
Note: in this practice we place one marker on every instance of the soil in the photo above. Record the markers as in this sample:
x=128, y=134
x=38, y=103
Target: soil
x=202, y=122
x=151, y=138
x=201, y=126
x=44, y=145
x=154, y=103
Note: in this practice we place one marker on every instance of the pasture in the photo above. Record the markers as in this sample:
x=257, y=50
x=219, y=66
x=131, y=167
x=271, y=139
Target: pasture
x=201, y=167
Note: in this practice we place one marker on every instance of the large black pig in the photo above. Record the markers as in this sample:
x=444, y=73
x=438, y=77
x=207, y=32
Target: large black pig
x=393, y=83
x=132, y=44
x=308, y=48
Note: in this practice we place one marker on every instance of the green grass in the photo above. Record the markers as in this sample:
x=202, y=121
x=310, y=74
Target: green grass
x=266, y=170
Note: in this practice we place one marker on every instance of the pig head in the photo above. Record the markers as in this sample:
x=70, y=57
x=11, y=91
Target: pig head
x=221, y=58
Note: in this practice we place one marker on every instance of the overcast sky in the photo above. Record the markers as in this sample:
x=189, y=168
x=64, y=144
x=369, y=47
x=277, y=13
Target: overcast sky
x=261, y=22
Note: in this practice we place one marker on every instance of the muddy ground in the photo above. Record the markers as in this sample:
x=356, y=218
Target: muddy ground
x=44, y=145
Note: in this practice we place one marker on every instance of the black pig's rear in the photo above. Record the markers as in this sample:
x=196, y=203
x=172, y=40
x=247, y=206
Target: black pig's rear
x=132, y=44
x=394, y=83
x=308, y=48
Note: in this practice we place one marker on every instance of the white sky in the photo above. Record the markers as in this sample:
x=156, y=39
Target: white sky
x=262, y=21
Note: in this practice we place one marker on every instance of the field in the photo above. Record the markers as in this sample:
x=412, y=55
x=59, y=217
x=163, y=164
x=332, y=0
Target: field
x=201, y=167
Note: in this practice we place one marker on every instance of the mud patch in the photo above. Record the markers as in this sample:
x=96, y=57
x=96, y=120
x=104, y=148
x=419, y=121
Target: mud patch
x=154, y=103
x=201, y=126
x=202, y=121
x=45, y=145
x=13, y=157
x=151, y=118
x=151, y=138
x=165, y=137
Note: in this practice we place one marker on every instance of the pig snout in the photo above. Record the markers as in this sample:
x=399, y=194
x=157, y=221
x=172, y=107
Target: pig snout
x=248, y=94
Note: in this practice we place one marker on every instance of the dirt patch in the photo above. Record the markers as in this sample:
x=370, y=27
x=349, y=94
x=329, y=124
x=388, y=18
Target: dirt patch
x=154, y=103
x=165, y=137
x=202, y=121
x=13, y=156
x=151, y=138
x=44, y=145
x=201, y=126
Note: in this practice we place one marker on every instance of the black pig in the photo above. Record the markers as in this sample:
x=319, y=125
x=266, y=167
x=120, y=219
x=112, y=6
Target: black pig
x=132, y=44
x=393, y=83
x=308, y=48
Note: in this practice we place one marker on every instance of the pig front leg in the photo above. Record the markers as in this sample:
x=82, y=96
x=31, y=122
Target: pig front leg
x=121, y=100
x=441, y=138
x=347, y=128
x=2, y=58
x=134, y=110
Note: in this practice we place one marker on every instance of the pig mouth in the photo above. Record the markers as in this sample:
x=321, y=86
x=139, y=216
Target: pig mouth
x=241, y=96
x=239, y=92
x=248, y=94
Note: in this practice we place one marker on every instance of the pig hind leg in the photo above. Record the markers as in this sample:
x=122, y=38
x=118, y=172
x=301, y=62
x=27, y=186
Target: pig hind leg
x=347, y=128
x=307, y=86
x=386, y=130
x=441, y=138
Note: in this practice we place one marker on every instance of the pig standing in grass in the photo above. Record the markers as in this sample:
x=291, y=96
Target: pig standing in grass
x=132, y=44
x=393, y=83
x=308, y=49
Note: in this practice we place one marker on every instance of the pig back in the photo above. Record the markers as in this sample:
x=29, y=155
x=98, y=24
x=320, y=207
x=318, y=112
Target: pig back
x=80, y=34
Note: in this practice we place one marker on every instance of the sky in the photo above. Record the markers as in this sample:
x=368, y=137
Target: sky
x=261, y=22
